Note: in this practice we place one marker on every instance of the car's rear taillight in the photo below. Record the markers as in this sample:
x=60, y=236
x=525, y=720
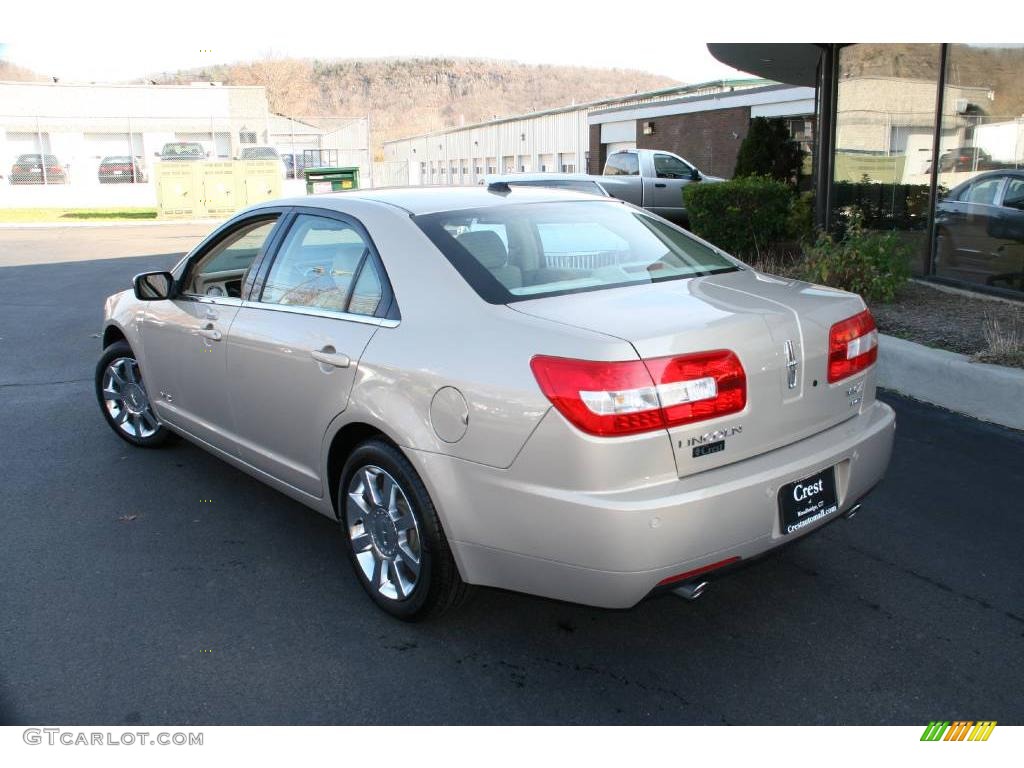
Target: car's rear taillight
x=631, y=396
x=852, y=346
x=699, y=386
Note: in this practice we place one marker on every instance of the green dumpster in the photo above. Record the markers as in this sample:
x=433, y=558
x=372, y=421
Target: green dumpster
x=320, y=180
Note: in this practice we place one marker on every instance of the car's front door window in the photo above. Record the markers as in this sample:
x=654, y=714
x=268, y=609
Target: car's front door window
x=668, y=167
x=221, y=271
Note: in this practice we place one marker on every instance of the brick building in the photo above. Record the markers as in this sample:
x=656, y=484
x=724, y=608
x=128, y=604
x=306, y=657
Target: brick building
x=707, y=130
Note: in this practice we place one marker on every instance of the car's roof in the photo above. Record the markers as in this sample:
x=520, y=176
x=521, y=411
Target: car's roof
x=423, y=200
x=988, y=175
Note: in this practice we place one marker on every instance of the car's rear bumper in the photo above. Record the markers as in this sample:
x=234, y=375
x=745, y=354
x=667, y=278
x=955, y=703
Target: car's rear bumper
x=611, y=549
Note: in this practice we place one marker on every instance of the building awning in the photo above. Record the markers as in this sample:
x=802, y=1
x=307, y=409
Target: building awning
x=792, y=63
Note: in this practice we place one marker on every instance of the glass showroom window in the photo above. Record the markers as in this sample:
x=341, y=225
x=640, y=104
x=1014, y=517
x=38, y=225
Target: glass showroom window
x=979, y=219
x=885, y=125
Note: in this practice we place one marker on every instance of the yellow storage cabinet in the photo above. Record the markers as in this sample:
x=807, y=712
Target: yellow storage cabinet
x=214, y=189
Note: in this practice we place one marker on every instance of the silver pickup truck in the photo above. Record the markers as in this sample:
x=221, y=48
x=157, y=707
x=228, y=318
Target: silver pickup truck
x=649, y=178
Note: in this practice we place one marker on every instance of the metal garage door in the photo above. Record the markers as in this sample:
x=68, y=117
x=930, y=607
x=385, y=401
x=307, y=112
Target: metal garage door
x=99, y=145
x=21, y=143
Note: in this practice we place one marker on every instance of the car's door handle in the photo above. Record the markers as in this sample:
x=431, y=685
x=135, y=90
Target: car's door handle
x=329, y=356
x=211, y=333
x=660, y=185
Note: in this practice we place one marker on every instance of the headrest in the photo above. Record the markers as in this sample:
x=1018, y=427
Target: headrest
x=486, y=247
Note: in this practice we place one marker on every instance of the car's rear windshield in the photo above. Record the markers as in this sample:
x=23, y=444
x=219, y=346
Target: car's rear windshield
x=115, y=159
x=516, y=252
x=259, y=152
x=52, y=159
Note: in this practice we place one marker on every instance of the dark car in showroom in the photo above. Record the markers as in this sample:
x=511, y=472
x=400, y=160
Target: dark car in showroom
x=36, y=168
x=979, y=230
x=121, y=169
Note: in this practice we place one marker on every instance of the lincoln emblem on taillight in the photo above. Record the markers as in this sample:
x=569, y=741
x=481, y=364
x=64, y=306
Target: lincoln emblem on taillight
x=791, y=364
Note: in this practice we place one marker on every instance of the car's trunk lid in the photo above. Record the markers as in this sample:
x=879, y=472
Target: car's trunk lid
x=778, y=328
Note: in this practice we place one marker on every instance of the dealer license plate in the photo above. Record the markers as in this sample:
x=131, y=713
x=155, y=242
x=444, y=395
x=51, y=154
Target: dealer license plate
x=807, y=501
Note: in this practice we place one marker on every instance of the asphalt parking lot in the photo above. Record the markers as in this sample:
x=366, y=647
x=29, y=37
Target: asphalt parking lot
x=125, y=598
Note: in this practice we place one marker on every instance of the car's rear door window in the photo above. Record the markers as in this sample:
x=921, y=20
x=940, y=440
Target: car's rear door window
x=1013, y=197
x=326, y=264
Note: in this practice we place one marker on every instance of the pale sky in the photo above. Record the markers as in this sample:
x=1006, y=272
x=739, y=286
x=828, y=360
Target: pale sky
x=85, y=42
x=687, y=62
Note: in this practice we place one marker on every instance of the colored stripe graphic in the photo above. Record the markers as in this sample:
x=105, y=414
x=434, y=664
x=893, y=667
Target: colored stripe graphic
x=934, y=730
x=958, y=731
x=982, y=730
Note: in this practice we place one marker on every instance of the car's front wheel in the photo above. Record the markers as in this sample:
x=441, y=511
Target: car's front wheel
x=124, y=400
x=395, y=541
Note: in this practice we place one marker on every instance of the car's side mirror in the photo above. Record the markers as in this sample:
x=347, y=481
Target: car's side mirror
x=694, y=175
x=156, y=154
x=153, y=286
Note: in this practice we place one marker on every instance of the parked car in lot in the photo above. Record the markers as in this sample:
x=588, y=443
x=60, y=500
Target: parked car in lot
x=121, y=169
x=575, y=182
x=539, y=390
x=263, y=153
x=36, y=168
x=648, y=178
x=177, y=151
x=979, y=230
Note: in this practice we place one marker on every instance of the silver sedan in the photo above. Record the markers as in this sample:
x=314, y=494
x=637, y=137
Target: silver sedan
x=531, y=389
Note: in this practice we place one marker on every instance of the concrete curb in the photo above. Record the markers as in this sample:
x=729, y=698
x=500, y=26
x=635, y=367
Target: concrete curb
x=991, y=393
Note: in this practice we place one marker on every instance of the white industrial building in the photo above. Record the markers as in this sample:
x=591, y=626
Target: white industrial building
x=80, y=123
x=552, y=140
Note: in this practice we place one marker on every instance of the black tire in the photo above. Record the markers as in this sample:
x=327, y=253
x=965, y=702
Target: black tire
x=121, y=349
x=439, y=587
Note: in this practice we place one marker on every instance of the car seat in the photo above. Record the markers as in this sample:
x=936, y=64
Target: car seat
x=489, y=249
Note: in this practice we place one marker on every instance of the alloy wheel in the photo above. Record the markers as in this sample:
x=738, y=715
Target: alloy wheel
x=126, y=399
x=384, y=533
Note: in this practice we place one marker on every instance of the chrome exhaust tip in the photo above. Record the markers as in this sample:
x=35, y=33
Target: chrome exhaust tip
x=691, y=591
x=851, y=512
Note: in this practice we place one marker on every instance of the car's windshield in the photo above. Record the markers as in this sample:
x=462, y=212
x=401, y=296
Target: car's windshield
x=252, y=153
x=182, y=150
x=115, y=159
x=516, y=252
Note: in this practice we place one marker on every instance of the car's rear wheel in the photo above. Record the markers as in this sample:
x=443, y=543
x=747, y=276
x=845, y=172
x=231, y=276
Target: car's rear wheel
x=124, y=400
x=394, y=538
